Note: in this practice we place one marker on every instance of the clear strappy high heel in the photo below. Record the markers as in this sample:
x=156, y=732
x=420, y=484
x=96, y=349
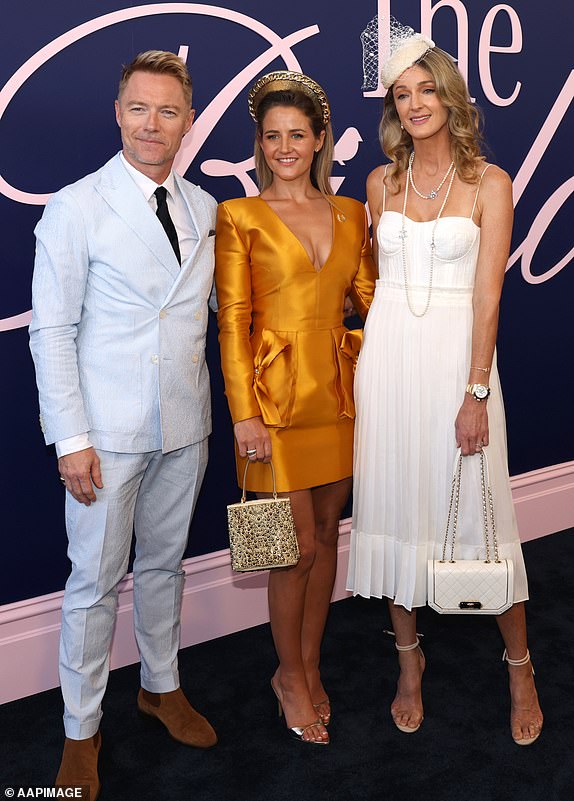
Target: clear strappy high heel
x=297, y=732
x=325, y=716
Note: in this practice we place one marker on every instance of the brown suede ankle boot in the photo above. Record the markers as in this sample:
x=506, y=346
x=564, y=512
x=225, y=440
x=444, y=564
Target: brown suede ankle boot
x=178, y=716
x=79, y=766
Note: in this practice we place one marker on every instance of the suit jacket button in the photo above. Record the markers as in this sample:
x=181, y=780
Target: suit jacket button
x=195, y=358
x=197, y=315
x=155, y=359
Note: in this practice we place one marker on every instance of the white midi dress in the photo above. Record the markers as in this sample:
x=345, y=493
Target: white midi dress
x=409, y=385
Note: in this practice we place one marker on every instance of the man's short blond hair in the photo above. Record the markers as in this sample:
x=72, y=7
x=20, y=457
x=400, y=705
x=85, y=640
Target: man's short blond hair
x=158, y=62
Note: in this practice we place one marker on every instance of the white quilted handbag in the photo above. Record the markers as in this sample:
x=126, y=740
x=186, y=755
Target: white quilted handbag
x=471, y=586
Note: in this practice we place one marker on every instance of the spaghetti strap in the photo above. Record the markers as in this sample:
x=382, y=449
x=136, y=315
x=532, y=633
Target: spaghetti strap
x=478, y=190
x=384, y=188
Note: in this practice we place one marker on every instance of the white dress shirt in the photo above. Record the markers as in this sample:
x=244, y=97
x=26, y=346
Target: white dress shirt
x=187, y=237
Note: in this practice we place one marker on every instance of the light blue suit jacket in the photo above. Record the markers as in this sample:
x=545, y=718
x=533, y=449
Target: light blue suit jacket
x=118, y=328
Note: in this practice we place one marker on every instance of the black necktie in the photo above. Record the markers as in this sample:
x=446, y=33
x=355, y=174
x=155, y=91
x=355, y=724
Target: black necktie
x=165, y=219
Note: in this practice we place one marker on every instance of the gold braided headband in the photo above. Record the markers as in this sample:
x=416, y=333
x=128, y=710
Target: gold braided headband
x=285, y=81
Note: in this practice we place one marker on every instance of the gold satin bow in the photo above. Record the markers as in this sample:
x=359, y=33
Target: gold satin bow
x=270, y=347
x=347, y=351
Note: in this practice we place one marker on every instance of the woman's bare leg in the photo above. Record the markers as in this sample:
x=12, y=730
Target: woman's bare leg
x=407, y=706
x=328, y=503
x=287, y=591
x=525, y=714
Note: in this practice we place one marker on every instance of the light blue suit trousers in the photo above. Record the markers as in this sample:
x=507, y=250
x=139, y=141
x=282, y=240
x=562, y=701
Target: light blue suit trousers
x=153, y=494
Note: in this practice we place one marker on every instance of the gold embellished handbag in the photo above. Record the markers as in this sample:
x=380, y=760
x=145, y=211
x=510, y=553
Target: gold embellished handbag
x=262, y=532
x=471, y=586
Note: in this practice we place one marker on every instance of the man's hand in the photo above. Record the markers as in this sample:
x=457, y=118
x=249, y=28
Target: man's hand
x=78, y=471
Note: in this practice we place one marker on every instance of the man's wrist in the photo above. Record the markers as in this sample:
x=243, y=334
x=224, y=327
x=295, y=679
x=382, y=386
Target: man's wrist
x=79, y=442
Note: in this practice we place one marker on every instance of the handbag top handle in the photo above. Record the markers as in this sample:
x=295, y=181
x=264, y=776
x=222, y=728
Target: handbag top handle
x=244, y=493
x=487, y=508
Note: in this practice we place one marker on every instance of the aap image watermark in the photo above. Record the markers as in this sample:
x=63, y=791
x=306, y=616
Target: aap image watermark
x=29, y=791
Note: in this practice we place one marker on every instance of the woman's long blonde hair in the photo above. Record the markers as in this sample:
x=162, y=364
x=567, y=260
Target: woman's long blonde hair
x=464, y=122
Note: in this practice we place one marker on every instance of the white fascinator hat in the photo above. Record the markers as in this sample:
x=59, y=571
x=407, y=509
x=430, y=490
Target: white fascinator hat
x=406, y=47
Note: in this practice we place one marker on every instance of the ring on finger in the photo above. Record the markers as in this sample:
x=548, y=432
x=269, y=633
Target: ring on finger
x=251, y=451
x=62, y=479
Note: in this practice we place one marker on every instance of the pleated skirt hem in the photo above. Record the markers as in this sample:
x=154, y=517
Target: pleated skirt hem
x=381, y=566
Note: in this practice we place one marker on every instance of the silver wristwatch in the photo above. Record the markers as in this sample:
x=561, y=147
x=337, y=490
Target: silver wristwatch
x=479, y=392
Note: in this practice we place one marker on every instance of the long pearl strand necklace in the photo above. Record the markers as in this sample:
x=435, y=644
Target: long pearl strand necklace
x=403, y=236
x=434, y=192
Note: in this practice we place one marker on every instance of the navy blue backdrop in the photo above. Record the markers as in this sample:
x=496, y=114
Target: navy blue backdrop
x=57, y=124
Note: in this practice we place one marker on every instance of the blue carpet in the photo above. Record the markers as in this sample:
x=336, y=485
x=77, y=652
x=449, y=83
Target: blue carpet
x=463, y=751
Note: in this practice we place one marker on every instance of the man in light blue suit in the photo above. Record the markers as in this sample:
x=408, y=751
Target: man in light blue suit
x=123, y=274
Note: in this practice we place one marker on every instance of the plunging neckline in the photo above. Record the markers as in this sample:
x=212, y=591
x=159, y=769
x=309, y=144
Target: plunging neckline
x=296, y=238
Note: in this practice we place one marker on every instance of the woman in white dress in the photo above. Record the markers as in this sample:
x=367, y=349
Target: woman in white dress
x=427, y=381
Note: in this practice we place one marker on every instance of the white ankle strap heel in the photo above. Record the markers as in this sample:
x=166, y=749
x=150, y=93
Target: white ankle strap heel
x=405, y=647
x=412, y=647
x=518, y=662
x=408, y=647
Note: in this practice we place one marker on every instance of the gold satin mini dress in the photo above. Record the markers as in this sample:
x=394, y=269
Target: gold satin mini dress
x=285, y=353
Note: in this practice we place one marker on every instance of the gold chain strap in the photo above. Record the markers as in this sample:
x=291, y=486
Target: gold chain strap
x=487, y=509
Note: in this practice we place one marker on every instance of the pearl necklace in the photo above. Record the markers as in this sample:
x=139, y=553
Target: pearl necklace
x=434, y=192
x=403, y=236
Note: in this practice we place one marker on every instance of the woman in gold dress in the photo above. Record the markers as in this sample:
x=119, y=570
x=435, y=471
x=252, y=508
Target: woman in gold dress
x=285, y=262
